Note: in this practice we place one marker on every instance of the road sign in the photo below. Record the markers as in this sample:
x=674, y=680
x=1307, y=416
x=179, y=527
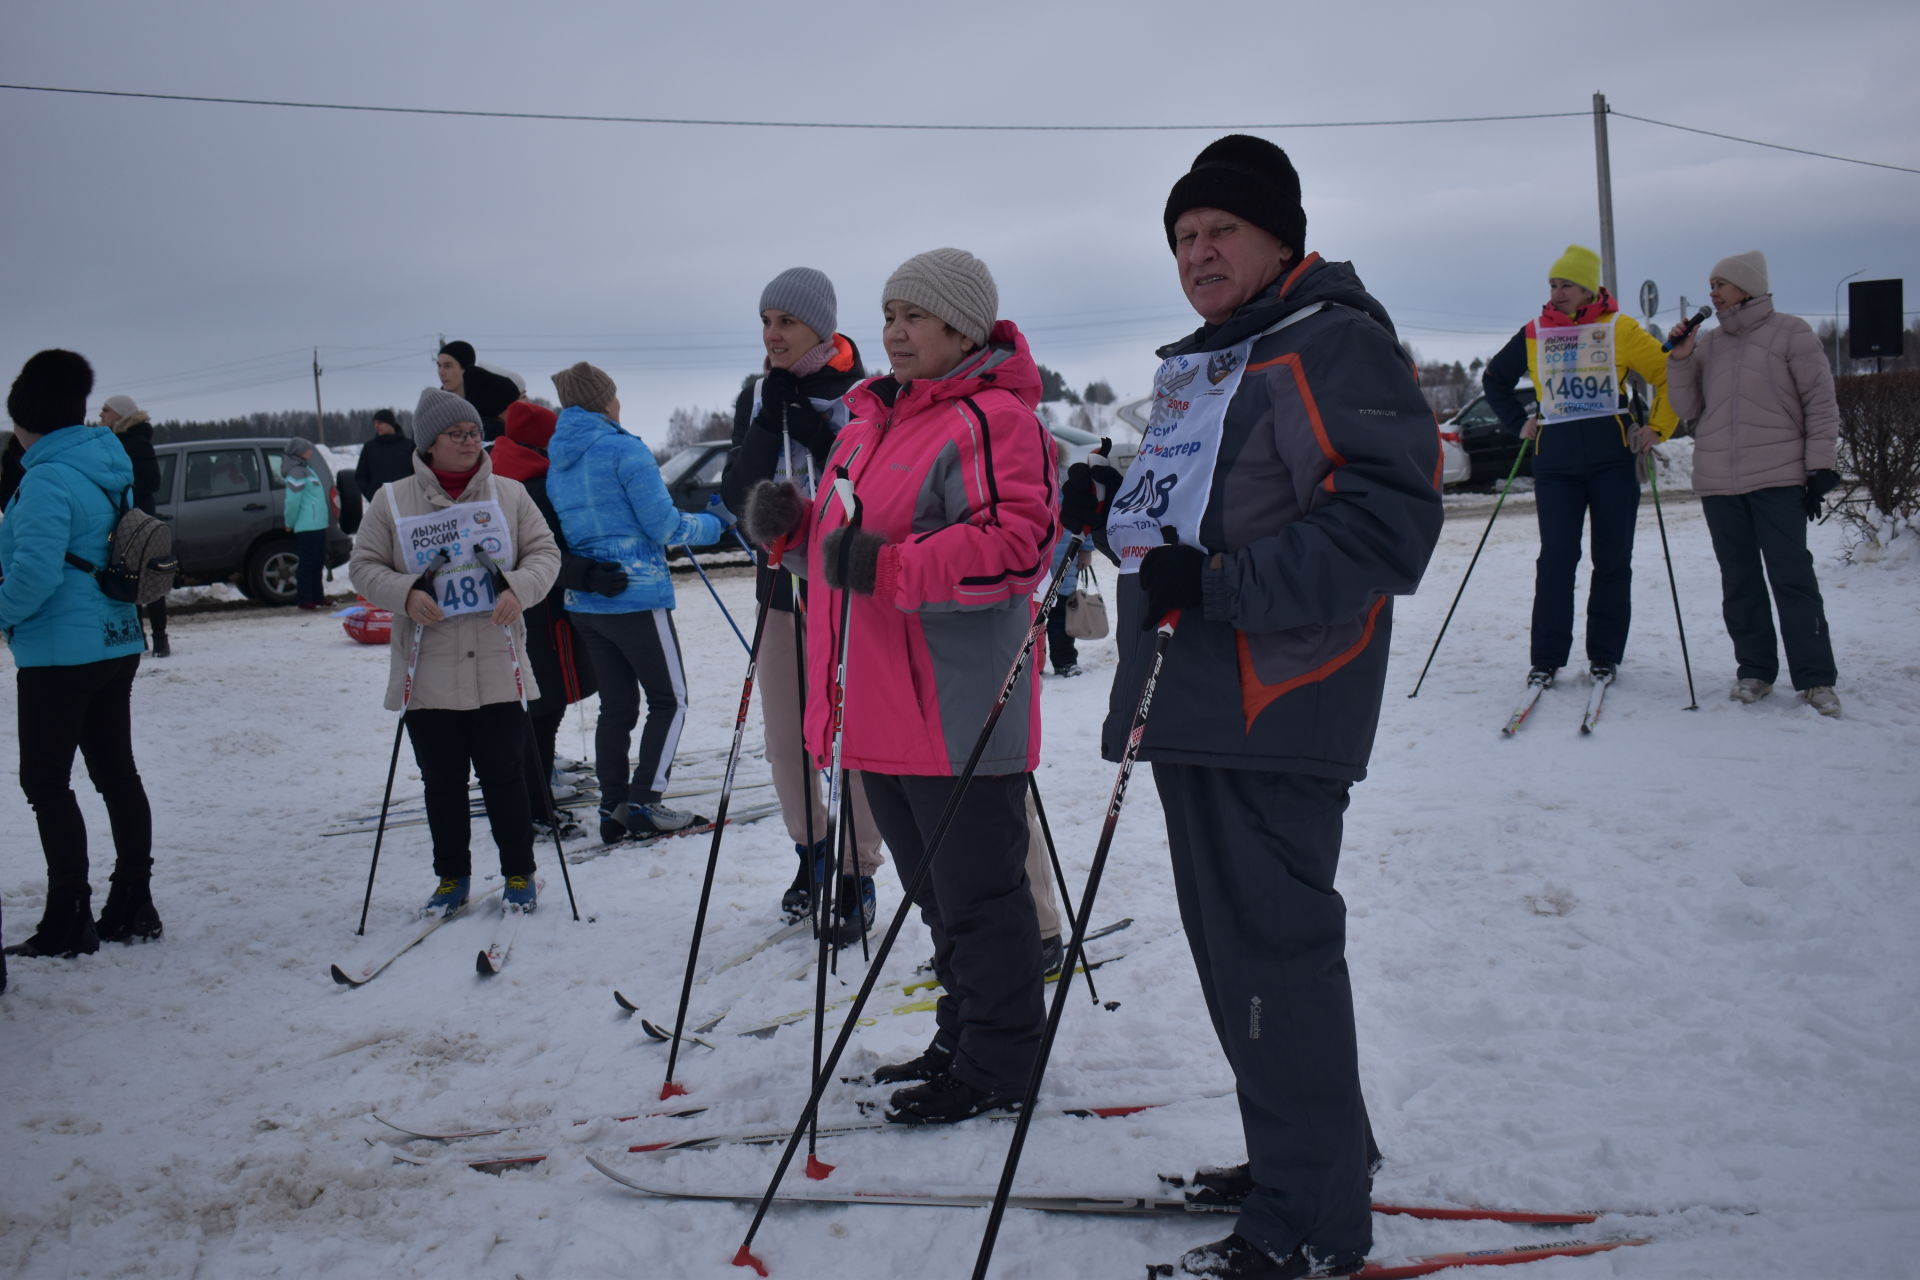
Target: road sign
x=1649, y=299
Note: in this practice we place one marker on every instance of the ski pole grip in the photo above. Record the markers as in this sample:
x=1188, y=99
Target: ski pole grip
x=494, y=572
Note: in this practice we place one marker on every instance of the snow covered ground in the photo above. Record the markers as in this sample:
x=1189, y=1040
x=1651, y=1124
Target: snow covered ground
x=1667, y=969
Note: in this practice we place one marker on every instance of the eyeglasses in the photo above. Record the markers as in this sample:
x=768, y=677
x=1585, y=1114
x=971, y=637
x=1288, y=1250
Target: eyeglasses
x=461, y=437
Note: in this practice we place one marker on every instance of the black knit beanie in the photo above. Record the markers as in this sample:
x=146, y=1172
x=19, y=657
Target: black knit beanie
x=462, y=353
x=51, y=391
x=1250, y=178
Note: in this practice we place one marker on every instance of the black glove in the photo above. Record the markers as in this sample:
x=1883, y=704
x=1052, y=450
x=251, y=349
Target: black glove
x=1085, y=495
x=1819, y=484
x=605, y=578
x=1170, y=576
x=862, y=554
x=774, y=510
x=785, y=409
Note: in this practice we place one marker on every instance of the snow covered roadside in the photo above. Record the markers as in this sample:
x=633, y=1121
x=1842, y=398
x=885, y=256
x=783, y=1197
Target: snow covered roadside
x=1669, y=968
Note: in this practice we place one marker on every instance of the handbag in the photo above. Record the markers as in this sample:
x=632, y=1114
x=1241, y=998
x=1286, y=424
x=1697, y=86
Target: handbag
x=1087, y=610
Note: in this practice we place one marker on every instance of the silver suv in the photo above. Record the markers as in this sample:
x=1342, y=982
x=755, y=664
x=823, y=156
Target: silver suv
x=225, y=500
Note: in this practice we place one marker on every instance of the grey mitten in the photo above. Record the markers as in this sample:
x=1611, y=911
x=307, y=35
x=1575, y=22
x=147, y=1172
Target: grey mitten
x=774, y=510
x=860, y=555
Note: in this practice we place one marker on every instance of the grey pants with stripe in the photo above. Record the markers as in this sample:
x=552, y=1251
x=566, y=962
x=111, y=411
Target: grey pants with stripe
x=1254, y=855
x=631, y=652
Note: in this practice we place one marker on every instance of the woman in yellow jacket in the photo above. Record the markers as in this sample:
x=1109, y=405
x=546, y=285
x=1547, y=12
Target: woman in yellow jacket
x=1587, y=452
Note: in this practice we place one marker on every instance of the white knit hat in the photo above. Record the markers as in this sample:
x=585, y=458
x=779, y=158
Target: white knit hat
x=951, y=284
x=1746, y=272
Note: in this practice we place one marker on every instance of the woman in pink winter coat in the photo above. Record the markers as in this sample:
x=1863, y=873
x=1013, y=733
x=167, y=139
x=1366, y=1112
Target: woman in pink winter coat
x=953, y=475
x=1763, y=458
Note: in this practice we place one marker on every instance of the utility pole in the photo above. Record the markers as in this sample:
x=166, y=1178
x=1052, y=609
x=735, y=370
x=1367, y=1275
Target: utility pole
x=319, y=421
x=1605, y=168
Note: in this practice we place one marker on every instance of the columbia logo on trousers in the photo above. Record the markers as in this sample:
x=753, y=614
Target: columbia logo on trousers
x=1253, y=1018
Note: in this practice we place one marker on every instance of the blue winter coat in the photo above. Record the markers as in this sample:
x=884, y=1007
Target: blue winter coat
x=53, y=614
x=306, y=500
x=613, y=506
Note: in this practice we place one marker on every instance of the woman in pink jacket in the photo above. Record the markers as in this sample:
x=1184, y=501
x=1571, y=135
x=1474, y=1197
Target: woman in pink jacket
x=954, y=485
x=1762, y=460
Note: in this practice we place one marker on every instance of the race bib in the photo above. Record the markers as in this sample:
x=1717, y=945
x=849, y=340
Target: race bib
x=1170, y=480
x=1577, y=378
x=460, y=585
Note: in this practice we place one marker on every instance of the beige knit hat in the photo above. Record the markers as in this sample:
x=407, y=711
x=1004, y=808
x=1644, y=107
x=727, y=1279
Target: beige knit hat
x=951, y=284
x=1746, y=272
x=584, y=386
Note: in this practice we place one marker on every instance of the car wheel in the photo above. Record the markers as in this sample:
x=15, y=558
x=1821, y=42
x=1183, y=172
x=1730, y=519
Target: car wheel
x=273, y=572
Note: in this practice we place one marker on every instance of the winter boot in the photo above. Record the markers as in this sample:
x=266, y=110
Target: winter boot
x=933, y=1061
x=1053, y=954
x=1238, y=1258
x=449, y=897
x=946, y=1100
x=129, y=915
x=856, y=906
x=613, y=826
x=1542, y=676
x=657, y=819
x=160, y=647
x=1823, y=699
x=66, y=930
x=1749, y=689
x=1221, y=1189
x=1602, y=672
x=520, y=893
x=797, y=901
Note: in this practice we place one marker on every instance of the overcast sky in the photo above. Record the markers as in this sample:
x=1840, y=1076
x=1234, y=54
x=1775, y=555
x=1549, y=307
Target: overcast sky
x=196, y=253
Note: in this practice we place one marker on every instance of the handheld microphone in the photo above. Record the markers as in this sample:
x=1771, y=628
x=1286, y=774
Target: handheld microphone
x=1699, y=318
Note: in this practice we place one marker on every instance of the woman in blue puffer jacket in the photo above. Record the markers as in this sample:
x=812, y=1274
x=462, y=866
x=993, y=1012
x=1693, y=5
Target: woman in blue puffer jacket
x=76, y=652
x=615, y=510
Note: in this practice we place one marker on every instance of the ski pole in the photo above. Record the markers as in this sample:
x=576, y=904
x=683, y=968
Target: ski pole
x=1693, y=702
x=668, y=1088
x=1060, y=878
x=425, y=583
x=717, y=600
x=1162, y=638
x=744, y=1257
x=498, y=577
x=1511, y=473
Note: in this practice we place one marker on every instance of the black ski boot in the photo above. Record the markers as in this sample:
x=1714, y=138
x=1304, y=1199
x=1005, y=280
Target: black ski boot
x=854, y=891
x=933, y=1061
x=1542, y=676
x=797, y=902
x=1221, y=1190
x=1238, y=1258
x=66, y=930
x=946, y=1100
x=1053, y=954
x=129, y=914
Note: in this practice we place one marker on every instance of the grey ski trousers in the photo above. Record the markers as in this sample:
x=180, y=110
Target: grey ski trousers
x=1254, y=855
x=1760, y=540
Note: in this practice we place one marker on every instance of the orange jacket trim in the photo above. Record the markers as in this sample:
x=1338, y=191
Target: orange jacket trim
x=1256, y=697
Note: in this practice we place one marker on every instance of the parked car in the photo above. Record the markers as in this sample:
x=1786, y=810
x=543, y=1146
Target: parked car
x=226, y=501
x=1455, y=466
x=1489, y=442
x=1080, y=442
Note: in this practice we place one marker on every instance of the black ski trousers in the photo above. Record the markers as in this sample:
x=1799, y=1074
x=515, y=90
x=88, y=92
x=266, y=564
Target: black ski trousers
x=1254, y=855
x=1760, y=540
x=631, y=652
x=86, y=708
x=976, y=901
x=490, y=741
x=1609, y=493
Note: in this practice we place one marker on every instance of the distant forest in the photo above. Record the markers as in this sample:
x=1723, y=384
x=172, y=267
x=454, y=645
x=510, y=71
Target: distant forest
x=351, y=426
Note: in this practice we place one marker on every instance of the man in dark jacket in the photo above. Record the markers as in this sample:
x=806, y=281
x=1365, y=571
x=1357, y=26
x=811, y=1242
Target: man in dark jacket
x=1288, y=487
x=387, y=456
x=461, y=373
x=129, y=421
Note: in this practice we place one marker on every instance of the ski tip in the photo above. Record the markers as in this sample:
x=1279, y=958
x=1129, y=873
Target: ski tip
x=483, y=966
x=625, y=1003
x=818, y=1169
x=745, y=1258
x=340, y=976
x=672, y=1090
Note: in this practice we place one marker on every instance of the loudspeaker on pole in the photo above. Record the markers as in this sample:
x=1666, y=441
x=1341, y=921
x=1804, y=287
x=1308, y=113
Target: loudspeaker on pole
x=1873, y=319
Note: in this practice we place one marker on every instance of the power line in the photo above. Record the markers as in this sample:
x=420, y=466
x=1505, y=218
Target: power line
x=778, y=124
x=1753, y=142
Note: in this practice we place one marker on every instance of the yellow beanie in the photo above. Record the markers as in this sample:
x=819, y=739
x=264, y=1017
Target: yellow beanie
x=1580, y=265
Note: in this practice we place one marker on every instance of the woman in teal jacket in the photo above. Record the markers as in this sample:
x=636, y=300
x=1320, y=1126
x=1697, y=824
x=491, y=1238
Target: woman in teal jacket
x=615, y=510
x=76, y=652
x=306, y=513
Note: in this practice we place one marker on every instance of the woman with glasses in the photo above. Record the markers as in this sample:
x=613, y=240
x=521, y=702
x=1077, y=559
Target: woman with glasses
x=463, y=703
